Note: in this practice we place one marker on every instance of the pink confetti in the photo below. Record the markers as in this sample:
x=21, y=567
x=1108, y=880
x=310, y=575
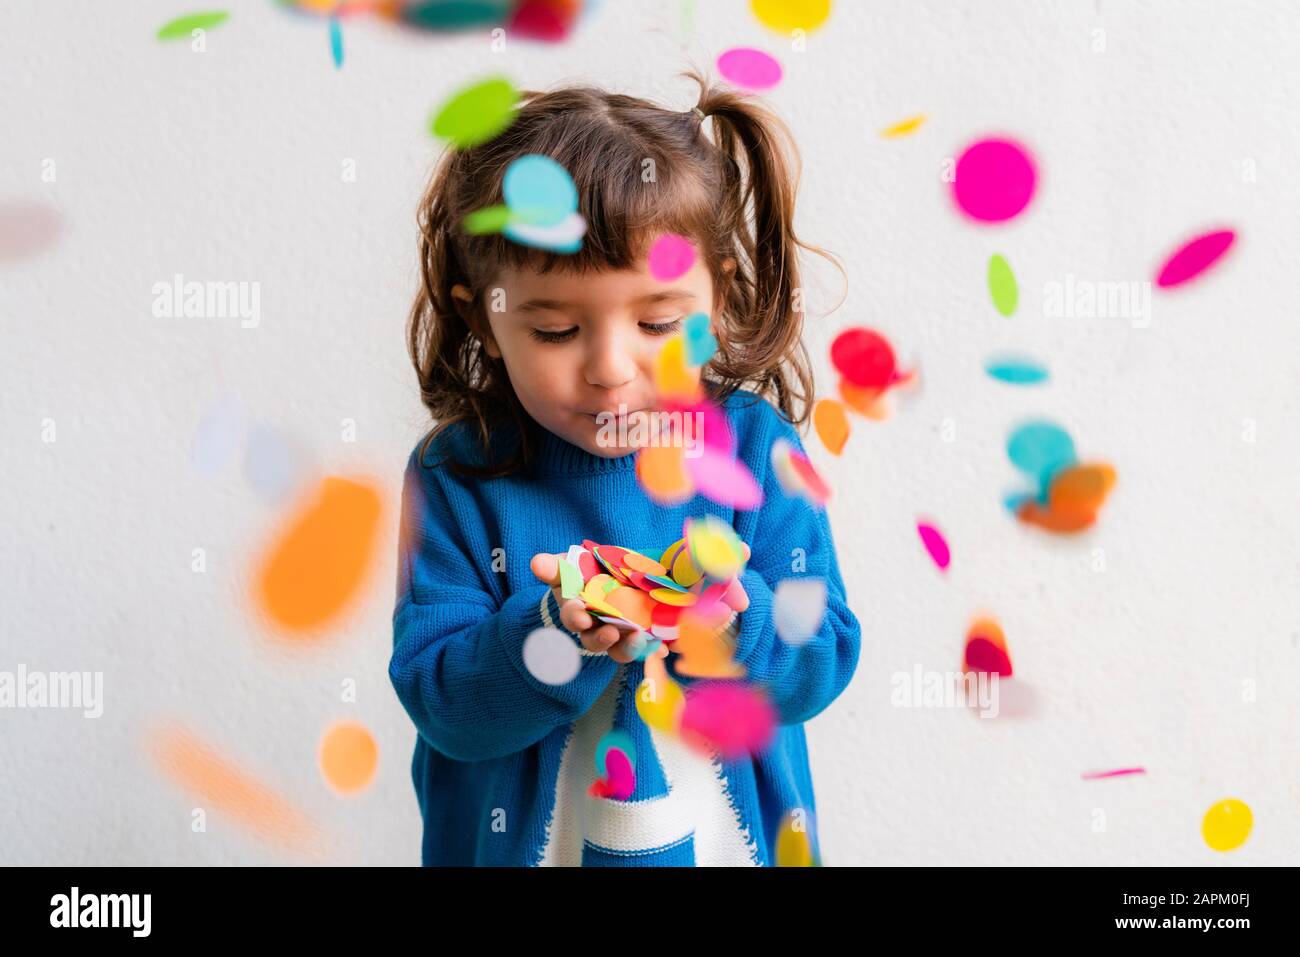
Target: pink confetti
x=671, y=256
x=994, y=181
x=1120, y=772
x=27, y=229
x=934, y=543
x=749, y=68
x=723, y=479
x=1194, y=257
x=619, y=774
x=732, y=718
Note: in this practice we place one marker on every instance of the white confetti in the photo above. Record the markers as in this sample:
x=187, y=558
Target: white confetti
x=551, y=656
x=798, y=609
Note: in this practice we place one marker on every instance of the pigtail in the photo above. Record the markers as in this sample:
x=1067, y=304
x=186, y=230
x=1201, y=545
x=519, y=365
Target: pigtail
x=764, y=312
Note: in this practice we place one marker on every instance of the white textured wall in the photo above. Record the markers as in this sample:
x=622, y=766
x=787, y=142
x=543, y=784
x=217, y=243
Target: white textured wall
x=226, y=165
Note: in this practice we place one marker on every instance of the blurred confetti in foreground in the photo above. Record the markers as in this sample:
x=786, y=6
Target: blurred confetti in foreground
x=348, y=757
x=216, y=780
x=316, y=567
x=1227, y=824
x=27, y=230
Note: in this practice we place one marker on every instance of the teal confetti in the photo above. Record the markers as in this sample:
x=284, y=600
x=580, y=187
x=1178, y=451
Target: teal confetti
x=336, y=42
x=1016, y=371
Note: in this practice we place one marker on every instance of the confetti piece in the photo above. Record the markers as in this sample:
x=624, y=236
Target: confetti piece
x=934, y=543
x=477, y=113
x=986, y=649
x=994, y=180
x=318, y=564
x=182, y=27
x=273, y=464
x=1194, y=257
x=546, y=20
x=563, y=237
x=864, y=357
x=1002, y=285
x=724, y=479
x=570, y=580
x=551, y=656
x=793, y=844
x=659, y=699
x=348, y=757
x=904, y=127
x=715, y=547
x=1016, y=371
x=453, y=15
x=1040, y=449
x=1117, y=773
x=619, y=776
x=661, y=470
x=671, y=256
x=27, y=230
x=1081, y=488
x=700, y=343
x=796, y=474
x=733, y=719
x=336, y=42
x=216, y=780
x=703, y=647
x=798, y=607
x=218, y=435
x=539, y=187
x=1227, y=824
x=749, y=69
x=786, y=16
x=489, y=219
x=674, y=378
x=614, y=739
x=832, y=424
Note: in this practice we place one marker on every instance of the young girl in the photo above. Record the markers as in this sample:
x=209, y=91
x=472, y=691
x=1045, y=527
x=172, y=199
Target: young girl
x=518, y=352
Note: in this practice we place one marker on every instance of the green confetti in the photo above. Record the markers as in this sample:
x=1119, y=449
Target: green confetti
x=182, y=26
x=489, y=219
x=1002, y=285
x=477, y=114
x=570, y=580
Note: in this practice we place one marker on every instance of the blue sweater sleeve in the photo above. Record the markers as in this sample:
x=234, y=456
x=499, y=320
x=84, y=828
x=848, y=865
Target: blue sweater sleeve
x=800, y=680
x=457, y=662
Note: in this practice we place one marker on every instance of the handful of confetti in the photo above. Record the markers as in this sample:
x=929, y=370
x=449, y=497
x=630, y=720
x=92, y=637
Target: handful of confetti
x=636, y=592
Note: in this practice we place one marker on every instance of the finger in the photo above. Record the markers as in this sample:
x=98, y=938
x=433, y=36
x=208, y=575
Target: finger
x=744, y=552
x=574, y=616
x=735, y=596
x=599, y=639
x=546, y=567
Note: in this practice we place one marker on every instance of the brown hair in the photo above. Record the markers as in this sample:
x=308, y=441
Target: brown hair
x=640, y=170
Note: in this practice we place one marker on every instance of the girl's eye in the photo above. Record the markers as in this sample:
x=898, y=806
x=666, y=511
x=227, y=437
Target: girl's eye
x=662, y=328
x=541, y=335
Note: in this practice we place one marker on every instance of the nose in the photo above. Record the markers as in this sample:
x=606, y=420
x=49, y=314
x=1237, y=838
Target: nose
x=611, y=361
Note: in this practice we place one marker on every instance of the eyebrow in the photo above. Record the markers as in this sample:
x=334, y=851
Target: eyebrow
x=649, y=299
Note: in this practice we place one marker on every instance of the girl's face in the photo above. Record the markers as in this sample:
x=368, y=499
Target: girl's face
x=579, y=345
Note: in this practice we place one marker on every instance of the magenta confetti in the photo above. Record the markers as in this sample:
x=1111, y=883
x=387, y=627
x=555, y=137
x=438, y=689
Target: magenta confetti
x=934, y=543
x=723, y=479
x=749, y=68
x=671, y=256
x=619, y=775
x=734, y=719
x=994, y=180
x=1194, y=257
x=27, y=229
x=1119, y=772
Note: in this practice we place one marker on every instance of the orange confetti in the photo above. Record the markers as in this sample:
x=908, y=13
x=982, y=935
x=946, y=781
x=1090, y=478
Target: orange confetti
x=348, y=757
x=832, y=424
x=661, y=470
x=703, y=647
x=319, y=564
x=632, y=604
x=218, y=782
x=674, y=378
x=1080, y=488
x=865, y=400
